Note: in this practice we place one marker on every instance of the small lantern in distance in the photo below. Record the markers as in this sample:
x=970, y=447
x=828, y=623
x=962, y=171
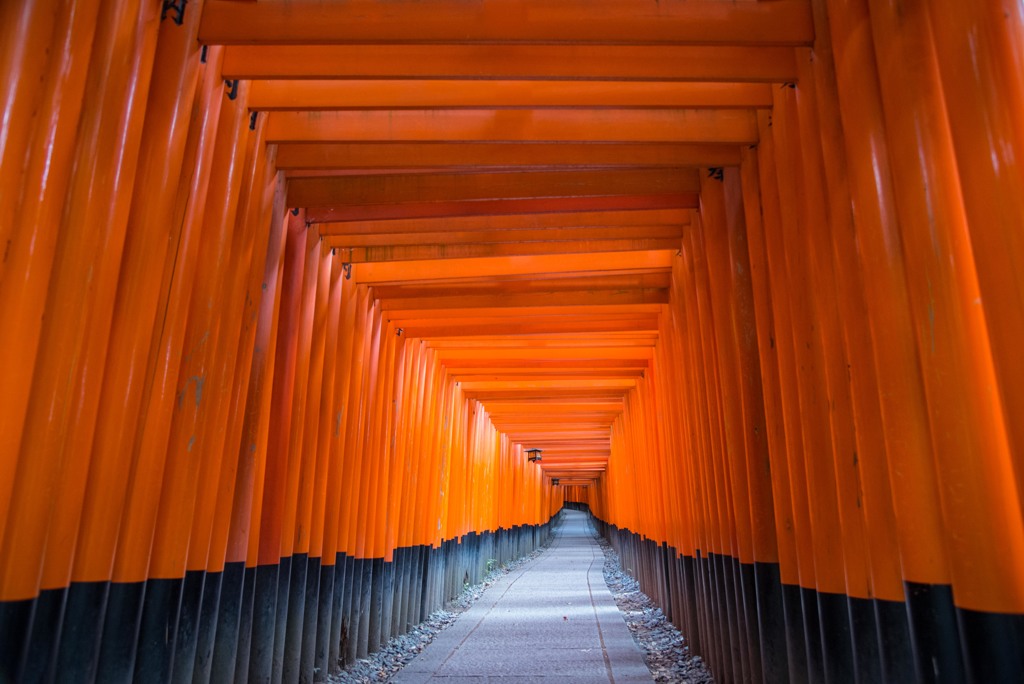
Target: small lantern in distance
x=533, y=454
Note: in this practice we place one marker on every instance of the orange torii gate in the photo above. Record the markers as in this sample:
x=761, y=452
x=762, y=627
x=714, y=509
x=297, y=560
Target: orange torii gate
x=288, y=289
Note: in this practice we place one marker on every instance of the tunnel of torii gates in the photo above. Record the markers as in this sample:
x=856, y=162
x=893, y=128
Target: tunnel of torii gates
x=289, y=289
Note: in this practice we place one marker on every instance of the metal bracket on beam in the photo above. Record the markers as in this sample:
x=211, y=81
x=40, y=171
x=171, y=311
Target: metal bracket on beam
x=176, y=6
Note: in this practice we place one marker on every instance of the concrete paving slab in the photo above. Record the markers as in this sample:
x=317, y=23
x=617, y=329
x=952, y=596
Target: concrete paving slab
x=552, y=618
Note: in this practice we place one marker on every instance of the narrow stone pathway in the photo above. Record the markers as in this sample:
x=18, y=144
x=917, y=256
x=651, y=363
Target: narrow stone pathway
x=552, y=618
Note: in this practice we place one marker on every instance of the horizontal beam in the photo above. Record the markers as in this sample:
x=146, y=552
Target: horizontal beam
x=498, y=346
x=533, y=299
x=528, y=327
x=632, y=338
x=549, y=353
x=590, y=453
x=458, y=364
x=512, y=63
x=595, y=450
x=425, y=187
x=581, y=460
x=385, y=155
x=735, y=126
x=321, y=22
x=595, y=430
x=389, y=253
x=485, y=397
x=584, y=469
x=498, y=266
x=590, y=445
x=542, y=417
x=672, y=220
x=494, y=330
x=518, y=313
x=477, y=237
x=453, y=94
x=507, y=284
x=586, y=462
x=557, y=401
x=522, y=374
x=570, y=476
x=560, y=427
x=544, y=394
x=591, y=405
x=550, y=205
x=539, y=438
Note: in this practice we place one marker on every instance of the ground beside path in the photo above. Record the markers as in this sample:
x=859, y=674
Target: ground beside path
x=551, y=618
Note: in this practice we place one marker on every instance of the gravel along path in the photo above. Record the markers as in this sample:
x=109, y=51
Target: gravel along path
x=665, y=650
x=398, y=652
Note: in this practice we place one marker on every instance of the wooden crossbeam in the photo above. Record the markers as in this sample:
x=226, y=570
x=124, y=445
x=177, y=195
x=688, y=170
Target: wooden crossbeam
x=321, y=22
x=560, y=375
x=544, y=125
x=442, y=252
x=539, y=266
x=554, y=341
x=423, y=187
x=578, y=314
x=327, y=95
x=533, y=299
x=500, y=207
x=575, y=220
x=435, y=155
x=507, y=284
x=467, y=367
x=602, y=353
x=512, y=63
x=528, y=327
x=478, y=237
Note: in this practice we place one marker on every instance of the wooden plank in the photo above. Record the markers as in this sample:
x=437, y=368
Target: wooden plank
x=540, y=266
x=442, y=252
x=463, y=315
x=552, y=205
x=520, y=327
x=325, y=95
x=513, y=62
x=543, y=125
x=321, y=22
x=524, y=374
x=533, y=299
x=433, y=155
x=423, y=187
x=477, y=237
x=555, y=363
x=506, y=284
